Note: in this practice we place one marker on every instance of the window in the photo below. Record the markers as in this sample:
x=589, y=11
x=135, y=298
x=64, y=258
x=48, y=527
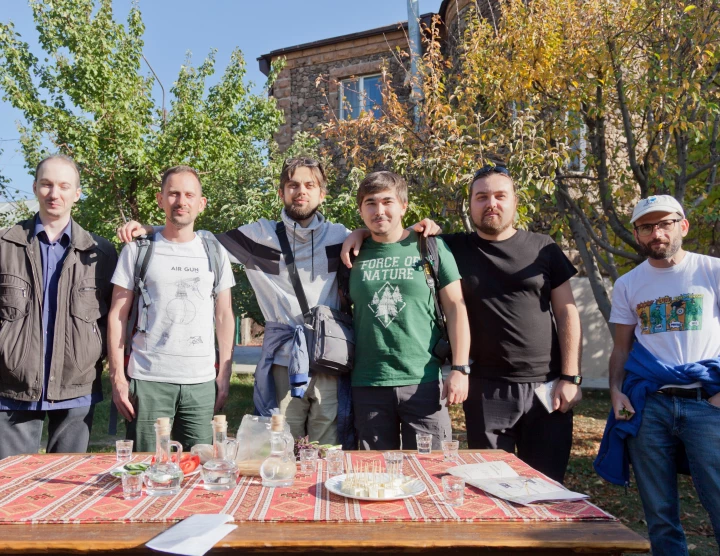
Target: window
x=360, y=94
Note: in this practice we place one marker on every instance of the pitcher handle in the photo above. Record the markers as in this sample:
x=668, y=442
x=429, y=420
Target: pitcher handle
x=179, y=450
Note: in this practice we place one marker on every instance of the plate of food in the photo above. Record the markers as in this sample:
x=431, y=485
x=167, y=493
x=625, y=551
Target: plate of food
x=375, y=486
x=129, y=468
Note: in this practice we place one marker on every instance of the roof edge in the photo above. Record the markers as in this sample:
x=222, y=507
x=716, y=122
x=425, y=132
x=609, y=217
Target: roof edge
x=266, y=59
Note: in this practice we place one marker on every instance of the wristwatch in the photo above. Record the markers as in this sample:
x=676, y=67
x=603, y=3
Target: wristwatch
x=464, y=369
x=575, y=379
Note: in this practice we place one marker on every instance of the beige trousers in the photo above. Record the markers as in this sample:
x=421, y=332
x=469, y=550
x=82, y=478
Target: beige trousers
x=314, y=415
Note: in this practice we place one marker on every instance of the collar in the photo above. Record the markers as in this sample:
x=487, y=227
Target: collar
x=66, y=233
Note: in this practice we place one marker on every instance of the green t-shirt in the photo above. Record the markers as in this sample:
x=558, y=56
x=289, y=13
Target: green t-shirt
x=394, y=313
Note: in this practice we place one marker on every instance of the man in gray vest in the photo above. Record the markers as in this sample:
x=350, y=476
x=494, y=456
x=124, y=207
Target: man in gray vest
x=54, y=296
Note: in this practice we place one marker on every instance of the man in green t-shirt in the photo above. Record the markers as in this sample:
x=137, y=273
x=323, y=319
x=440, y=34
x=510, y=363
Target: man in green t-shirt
x=397, y=389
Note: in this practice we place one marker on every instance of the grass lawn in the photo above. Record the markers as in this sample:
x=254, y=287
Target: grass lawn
x=590, y=418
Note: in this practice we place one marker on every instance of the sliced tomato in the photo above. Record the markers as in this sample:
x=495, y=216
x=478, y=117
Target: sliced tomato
x=185, y=458
x=188, y=466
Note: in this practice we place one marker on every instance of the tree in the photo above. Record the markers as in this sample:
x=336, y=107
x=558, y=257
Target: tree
x=592, y=103
x=90, y=95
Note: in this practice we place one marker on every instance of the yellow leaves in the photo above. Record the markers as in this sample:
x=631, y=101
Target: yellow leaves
x=689, y=8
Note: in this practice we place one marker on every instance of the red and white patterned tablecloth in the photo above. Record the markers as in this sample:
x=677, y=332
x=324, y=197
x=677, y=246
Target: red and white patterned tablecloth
x=79, y=489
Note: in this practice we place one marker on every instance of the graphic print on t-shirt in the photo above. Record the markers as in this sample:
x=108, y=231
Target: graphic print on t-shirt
x=671, y=314
x=387, y=303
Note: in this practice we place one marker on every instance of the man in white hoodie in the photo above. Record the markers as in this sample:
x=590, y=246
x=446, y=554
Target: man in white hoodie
x=320, y=409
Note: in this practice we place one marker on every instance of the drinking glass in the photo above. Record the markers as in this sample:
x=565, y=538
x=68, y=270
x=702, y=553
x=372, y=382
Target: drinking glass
x=393, y=464
x=308, y=461
x=450, y=450
x=123, y=451
x=132, y=482
x=453, y=490
x=424, y=443
x=335, y=462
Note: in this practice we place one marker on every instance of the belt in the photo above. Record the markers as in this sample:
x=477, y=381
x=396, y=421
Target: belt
x=690, y=393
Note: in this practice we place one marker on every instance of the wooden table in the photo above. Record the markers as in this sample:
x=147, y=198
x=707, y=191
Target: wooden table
x=489, y=537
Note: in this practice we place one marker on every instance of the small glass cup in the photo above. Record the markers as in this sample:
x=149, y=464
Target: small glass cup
x=123, y=451
x=335, y=459
x=132, y=482
x=308, y=461
x=424, y=443
x=450, y=450
x=453, y=490
x=393, y=464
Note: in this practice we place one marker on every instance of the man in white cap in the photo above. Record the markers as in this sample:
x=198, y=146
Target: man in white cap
x=665, y=373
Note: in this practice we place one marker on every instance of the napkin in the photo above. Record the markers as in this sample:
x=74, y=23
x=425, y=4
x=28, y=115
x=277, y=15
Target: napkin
x=193, y=536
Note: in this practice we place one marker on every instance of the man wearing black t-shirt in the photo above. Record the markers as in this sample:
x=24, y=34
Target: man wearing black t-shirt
x=525, y=330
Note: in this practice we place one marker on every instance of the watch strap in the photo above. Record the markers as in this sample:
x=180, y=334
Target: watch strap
x=575, y=379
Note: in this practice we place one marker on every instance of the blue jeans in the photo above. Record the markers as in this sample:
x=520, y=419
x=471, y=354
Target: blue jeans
x=668, y=422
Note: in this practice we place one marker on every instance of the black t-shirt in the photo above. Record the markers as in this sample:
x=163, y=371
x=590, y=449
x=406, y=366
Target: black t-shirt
x=507, y=287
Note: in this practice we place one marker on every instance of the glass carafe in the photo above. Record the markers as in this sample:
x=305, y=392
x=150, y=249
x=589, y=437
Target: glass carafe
x=220, y=472
x=279, y=469
x=164, y=477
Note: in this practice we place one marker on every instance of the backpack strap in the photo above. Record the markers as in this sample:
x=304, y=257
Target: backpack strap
x=343, y=278
x=139, y=318
x=292, y=270
x=213, y=254
x=430, y=259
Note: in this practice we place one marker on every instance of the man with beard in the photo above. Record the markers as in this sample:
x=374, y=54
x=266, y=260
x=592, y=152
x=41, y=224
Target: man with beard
x=320, y=408
x=185, y=298
x=525, y=330
x=669, y=401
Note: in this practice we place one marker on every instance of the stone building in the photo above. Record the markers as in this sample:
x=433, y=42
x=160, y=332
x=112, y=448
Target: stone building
x=319, y=74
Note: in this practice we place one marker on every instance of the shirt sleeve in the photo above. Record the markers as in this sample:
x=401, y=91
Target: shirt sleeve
x=448, y=272
x=124, y=275
x=622, y=312
x=227, y=280
x=561, y=269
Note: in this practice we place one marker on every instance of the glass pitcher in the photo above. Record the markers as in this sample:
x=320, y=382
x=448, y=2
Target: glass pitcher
x=279, y=469
x=221, y=472
x=164, y=477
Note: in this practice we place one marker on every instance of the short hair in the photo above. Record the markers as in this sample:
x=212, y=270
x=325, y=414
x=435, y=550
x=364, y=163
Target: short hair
x=63, y=157
x=493, y=168
x=179, y=170
x=375, y=182
x=291, y=165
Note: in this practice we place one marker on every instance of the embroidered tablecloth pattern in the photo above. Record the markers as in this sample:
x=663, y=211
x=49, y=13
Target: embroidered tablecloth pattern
x=80, y=489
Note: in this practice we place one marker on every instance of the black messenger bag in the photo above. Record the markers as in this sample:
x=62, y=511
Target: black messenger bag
x=329, y=333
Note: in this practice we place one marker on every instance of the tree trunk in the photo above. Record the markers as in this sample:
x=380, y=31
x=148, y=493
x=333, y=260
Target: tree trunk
x=581, y=242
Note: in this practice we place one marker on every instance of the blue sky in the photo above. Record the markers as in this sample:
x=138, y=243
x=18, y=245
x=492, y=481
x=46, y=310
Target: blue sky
x=174, y=27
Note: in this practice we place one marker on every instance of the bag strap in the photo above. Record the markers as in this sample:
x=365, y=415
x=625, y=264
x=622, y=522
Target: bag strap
x=343, y=278
x=430, y=259
x=213, y=254
x=292, y=269
x=146, y=245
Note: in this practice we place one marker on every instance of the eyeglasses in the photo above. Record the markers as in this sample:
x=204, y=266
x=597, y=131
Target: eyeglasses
x=645, y=230
x=489, y=169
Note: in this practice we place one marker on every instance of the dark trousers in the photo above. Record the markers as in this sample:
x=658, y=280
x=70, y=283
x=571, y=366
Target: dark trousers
x=68, y=431
x=508, y=416
x=385, y=415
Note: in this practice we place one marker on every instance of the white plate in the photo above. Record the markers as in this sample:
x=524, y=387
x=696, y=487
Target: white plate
x=414, y=488
x=118, y=471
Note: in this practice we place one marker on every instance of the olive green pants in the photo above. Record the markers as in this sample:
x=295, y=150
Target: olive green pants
x=189, y=406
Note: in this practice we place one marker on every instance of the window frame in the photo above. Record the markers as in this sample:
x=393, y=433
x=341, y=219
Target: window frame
x=361, y=94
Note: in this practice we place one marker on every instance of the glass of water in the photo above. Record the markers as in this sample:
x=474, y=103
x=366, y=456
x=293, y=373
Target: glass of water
x=450, y=450
x=424, y=443
x=308, y=461
x=453, y=490
x=123, y=451
x=132, y=482
x=393, y=464
x=335, y=462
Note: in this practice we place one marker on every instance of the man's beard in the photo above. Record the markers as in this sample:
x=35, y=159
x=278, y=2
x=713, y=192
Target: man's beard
x=298, y=214
x=492, y=227
x=180, y=224
x=672, y=247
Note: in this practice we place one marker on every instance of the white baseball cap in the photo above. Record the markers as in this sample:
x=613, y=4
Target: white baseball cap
x=656, y=203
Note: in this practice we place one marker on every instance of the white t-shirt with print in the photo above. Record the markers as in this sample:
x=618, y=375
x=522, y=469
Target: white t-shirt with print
x=179, y=345
x=676, y=310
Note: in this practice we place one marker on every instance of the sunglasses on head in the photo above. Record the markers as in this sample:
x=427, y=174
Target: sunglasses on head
x=489, y=169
